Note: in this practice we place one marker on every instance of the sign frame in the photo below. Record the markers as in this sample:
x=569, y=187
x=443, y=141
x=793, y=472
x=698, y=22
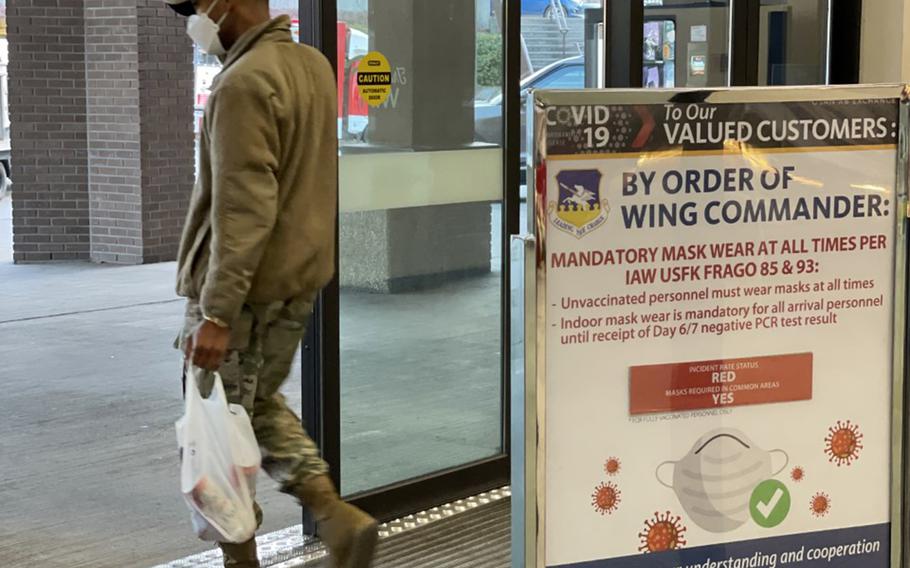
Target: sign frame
x=529, y=303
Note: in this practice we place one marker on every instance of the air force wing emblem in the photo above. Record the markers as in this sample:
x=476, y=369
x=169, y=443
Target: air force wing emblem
x=579, y=208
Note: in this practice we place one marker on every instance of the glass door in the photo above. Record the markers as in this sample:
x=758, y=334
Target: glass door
x=420, y=198
x=407, y=367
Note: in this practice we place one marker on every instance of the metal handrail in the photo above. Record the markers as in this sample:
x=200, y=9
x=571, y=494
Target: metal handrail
x=558, y=13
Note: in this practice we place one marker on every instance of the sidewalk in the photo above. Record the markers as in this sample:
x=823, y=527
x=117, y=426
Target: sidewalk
x=92, y=388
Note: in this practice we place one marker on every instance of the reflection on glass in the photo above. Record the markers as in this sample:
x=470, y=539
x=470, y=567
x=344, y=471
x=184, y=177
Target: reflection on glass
x=555, y=55
x=793, y=42
x=419, y=224
x=554, y=30
x=686, y=43
x=660, y=54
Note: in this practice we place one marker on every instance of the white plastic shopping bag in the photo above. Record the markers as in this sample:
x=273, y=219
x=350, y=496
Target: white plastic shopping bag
x=219, y=462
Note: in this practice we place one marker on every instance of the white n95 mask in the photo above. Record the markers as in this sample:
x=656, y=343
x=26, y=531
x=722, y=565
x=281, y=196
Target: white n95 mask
x=715, y=480
x=204, y=32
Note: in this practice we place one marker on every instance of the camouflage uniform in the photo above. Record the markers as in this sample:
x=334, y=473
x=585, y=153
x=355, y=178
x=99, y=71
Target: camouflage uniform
x=264, y=341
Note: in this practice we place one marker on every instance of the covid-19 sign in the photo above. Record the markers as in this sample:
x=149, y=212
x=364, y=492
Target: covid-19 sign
x=716, y=282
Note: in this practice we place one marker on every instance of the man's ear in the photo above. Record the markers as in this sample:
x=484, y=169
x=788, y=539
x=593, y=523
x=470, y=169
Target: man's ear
x=226, y=7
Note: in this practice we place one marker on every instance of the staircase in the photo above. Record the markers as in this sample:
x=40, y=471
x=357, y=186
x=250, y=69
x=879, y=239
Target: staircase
x=544, y=39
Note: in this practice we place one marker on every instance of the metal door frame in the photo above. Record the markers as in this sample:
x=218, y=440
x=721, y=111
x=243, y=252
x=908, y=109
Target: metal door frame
x=322, y=411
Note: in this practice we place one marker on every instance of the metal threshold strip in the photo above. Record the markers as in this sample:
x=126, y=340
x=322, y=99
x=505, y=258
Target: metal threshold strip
x=472, y=532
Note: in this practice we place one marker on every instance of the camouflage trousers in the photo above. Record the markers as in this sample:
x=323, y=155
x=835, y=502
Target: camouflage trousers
x=263, y=344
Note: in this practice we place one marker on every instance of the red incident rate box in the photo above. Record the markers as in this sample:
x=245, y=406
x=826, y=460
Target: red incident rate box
x=721, y=383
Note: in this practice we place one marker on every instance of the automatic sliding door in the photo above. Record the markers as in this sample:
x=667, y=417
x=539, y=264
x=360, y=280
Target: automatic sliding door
x=420, y=267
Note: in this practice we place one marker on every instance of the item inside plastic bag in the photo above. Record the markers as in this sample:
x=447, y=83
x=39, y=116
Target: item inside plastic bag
x=220, y=460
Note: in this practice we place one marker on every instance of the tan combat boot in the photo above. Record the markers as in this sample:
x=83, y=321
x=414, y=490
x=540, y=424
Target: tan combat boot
x=349, y=534
x=240, y=555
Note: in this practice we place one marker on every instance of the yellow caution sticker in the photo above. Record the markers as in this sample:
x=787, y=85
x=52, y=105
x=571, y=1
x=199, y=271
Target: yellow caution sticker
x=374, y=78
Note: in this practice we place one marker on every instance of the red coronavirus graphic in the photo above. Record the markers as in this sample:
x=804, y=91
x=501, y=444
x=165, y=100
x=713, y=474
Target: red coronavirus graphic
x=820, y=504
x=612, y=466
x=662, y=532
x=798, y=474
x=843, y=443
x=606, y=498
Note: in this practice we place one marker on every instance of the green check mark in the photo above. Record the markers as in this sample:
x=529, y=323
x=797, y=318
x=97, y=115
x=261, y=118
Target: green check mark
x=770, y=503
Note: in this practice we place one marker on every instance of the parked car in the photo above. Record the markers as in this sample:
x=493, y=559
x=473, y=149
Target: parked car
x=565, y=74
x=571, y=8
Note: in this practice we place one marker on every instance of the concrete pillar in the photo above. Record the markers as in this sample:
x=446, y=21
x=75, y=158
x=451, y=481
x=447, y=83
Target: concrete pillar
x=115, y=167
x=434, y=44
x=140, y=94
x=123, y=186
x=167, y=144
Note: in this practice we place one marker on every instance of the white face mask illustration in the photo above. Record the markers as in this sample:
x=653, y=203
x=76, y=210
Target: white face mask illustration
x=715, y=480
x=204, y=32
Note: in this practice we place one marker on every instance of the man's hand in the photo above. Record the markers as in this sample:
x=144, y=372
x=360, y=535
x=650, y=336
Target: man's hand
x=208, y=346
